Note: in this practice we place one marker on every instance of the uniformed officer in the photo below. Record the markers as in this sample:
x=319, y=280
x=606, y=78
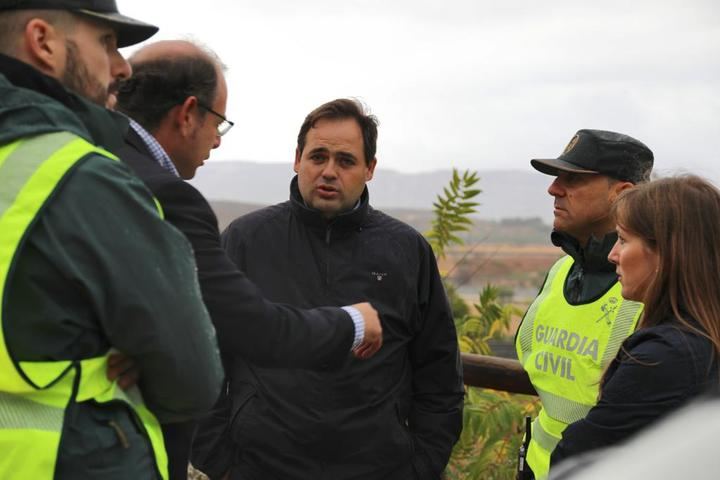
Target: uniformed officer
x=576, y=324
x=87, y=263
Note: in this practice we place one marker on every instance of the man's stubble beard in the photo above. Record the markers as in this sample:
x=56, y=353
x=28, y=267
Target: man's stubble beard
x=77, y=77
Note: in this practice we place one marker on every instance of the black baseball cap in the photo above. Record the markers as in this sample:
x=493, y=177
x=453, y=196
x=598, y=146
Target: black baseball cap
x=602, y=152
x=129, y=31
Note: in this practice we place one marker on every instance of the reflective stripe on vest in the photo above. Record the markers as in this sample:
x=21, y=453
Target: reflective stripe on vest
x=35, y=395
x=565, y=348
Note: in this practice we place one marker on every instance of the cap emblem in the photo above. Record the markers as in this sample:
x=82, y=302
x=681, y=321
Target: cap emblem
x=572, y=144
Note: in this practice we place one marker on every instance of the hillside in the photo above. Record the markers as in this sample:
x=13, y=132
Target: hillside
x=506, y=194
x=513, y=231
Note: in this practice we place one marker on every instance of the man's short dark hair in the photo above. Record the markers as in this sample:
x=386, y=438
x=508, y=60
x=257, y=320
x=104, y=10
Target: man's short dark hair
x=13, y=22
x=156, y=86
x=341, y=109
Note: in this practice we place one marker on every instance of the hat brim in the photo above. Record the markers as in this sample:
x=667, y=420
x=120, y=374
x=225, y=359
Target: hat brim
x=553, y=166
x=129, y=30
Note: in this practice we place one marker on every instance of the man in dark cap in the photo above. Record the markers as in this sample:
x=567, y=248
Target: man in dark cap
x=576, y=324
x=87, y=264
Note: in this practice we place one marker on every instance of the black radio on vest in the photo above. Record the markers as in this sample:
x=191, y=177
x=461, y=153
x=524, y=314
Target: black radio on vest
x=523, y=469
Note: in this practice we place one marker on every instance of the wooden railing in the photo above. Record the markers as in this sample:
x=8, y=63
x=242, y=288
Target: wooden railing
x=497, y=373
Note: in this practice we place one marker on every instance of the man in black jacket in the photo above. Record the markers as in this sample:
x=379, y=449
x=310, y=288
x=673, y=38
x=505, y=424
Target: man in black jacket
x=176, y=100
x=396, y=416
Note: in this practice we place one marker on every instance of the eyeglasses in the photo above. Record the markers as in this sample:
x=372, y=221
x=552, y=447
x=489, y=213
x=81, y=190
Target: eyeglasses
x=224, y=126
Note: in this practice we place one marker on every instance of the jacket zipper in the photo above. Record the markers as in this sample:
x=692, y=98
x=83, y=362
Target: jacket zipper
x=328, y=230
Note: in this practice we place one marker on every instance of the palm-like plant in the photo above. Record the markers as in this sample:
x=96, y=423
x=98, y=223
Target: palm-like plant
x=492, y=420
x=452, y=212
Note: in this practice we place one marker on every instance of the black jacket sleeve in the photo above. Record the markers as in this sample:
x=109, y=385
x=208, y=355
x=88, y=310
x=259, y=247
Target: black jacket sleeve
x=262, y=332
x=661, y=369
x=436, y=415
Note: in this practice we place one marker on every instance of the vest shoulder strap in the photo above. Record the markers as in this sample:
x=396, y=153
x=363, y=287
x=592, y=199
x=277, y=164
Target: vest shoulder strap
x=30, y=170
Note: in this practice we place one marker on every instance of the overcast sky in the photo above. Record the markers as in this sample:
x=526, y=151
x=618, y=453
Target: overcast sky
x=474, y=84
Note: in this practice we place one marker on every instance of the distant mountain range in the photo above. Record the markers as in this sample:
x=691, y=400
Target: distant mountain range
x=509, y=231
x=506, y=194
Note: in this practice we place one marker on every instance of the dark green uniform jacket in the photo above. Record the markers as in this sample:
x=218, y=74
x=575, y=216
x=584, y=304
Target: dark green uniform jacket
x=100, y=269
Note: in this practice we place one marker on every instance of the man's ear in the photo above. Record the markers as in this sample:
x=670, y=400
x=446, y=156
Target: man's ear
x=186, y=117
x=296, y=165
x=44, y=47
x=618, y=187
x=370, y=170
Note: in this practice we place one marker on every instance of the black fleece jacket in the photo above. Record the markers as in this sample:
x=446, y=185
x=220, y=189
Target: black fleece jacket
x=592, y=274
x=395, y=416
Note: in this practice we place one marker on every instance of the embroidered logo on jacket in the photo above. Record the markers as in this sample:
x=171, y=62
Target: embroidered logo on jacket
x=379, y=275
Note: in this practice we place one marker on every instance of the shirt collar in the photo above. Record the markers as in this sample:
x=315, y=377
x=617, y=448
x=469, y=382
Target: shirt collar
x=156, y=150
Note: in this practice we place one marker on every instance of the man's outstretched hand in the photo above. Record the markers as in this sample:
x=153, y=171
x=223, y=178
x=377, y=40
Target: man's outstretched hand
x=372, y=341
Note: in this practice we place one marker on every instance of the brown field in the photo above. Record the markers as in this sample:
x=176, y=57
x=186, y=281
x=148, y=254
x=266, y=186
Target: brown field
x=518, y=269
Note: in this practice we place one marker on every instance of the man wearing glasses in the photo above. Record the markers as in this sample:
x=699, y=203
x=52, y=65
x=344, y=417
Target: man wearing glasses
x=176, y=99
x=176, y=105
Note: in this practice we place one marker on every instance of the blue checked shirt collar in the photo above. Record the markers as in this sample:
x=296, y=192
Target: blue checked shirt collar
x=156, y=150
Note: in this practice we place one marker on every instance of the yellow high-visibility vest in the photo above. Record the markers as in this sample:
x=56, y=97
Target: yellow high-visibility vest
x=35, y=395
x=565, y=348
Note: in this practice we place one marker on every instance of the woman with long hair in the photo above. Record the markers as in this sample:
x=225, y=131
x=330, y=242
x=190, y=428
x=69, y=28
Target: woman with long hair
x=667, y=256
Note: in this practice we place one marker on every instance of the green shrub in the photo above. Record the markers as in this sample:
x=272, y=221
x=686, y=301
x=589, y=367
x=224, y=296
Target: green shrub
x=492, y=421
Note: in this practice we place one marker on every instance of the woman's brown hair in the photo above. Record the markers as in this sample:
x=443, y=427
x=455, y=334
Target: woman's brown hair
x=679, y=219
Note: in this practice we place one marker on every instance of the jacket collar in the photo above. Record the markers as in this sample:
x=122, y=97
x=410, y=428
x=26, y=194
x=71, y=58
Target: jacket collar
x=105, y=128
x=347, y=220
x=593, y=257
